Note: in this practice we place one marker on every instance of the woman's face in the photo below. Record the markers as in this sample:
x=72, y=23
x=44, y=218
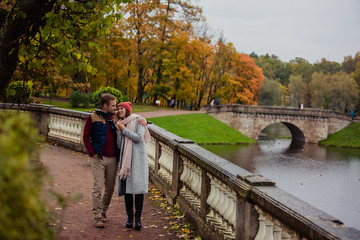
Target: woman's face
x=122, y=112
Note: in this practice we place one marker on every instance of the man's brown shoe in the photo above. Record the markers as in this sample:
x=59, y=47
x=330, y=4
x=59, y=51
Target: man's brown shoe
x=103, y=217
x=98, y=223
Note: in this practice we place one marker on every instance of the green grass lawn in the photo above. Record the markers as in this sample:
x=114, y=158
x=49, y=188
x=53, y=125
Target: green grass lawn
x=348, y=137
x=67, y=105
x=202, y=129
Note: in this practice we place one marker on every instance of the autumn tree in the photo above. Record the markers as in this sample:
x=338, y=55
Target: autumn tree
x=114, y=64
x=222, y=68
x=349, y=63
x=176, y=66
x=172, y=16
x=139, y=27
x=201, y=65
x=246, y=80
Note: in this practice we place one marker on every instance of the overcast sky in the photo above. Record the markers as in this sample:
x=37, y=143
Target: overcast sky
x=310, y=29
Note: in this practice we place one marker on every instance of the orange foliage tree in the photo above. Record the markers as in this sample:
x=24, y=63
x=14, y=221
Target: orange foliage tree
x=246, y=81
x=153, y=53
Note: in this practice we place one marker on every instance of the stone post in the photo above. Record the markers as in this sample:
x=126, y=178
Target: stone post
x=157, y=156
x=205, y=191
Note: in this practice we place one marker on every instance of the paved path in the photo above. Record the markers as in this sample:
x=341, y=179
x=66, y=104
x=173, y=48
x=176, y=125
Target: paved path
x=71, y=176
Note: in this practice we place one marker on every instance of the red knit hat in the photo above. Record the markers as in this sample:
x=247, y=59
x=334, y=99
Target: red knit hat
x=126, y=105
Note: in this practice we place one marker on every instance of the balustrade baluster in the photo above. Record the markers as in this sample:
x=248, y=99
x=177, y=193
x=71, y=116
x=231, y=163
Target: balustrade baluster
x=262, y=228
x=277, y=232
x=210, y=199
x=285, y=236
x=269, y=235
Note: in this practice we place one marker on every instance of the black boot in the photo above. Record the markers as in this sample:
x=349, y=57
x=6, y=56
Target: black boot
x=139, y=199
x=129, y=210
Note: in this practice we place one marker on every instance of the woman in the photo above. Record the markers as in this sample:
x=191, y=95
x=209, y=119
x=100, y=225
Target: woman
x=131, y=138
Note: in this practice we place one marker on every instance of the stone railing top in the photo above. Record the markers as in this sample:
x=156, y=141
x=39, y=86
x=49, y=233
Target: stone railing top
x=274, y=110
x=45, y=108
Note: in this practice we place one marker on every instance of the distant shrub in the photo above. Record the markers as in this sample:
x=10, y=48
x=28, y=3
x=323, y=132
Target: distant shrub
x=19, y=92
x=113, y=91
x=125, y=98
x=23, y=213
x=77, y=98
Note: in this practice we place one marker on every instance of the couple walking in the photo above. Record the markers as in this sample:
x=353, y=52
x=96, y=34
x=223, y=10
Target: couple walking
x=115, y=140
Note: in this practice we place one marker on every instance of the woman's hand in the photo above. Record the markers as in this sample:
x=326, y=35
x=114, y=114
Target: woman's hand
x=119, y=126
x=143, y=122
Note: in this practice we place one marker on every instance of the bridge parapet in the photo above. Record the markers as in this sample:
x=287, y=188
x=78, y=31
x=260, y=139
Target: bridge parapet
x=275, y=111
x=221, y=199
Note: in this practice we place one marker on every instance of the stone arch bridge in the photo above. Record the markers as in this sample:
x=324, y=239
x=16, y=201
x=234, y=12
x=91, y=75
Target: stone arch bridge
x=305, y=125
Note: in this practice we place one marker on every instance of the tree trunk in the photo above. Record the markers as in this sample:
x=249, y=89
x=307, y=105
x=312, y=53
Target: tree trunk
x=140, y=85
x=15, y=27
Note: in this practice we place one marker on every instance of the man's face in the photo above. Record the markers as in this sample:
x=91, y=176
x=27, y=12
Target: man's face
x=111, y=107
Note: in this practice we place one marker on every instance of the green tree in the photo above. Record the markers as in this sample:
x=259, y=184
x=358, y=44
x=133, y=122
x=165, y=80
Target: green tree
x=320, y=91
x=31, y=30
x=326, y=67
x=356, y=73
x=274, y=68
x=110, y=90
x=19, y=92
x=305, y=69
x=23, y=212
x=297, y=89
x=270, y=93
x=344, y=92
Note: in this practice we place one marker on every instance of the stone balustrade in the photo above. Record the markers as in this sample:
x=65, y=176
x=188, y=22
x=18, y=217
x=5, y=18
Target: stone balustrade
x=222, y=200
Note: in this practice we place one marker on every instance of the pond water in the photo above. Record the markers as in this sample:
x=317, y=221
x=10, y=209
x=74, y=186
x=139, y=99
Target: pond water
x=327, y=178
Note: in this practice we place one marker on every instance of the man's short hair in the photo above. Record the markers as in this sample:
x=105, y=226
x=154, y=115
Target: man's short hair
x=106, y=98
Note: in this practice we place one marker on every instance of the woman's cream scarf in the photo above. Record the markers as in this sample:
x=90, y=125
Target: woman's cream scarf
x=130, y=123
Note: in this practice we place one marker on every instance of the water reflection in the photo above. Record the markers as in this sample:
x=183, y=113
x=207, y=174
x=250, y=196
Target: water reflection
x=327, y=178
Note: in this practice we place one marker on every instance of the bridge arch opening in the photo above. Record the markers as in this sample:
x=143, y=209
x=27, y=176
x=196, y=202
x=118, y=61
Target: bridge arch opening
x=284, y=130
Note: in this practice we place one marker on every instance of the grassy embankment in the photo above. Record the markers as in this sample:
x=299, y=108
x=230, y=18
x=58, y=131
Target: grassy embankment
x=348, y=137
x=67, y=105
x=202, y=129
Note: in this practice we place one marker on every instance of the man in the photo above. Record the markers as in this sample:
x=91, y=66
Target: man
x=100, y=142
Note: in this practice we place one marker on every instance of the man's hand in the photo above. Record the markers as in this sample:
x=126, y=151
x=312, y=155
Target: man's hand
x=143, y=122
x=95, y=156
